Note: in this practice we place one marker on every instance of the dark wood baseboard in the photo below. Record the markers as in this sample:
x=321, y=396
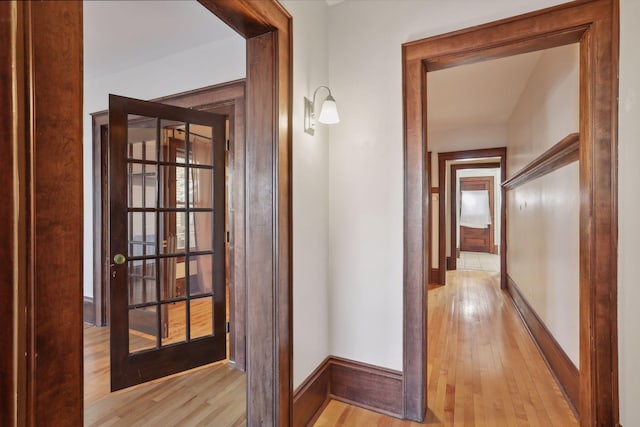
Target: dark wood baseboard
x=449, y=263
x=360, y=384
x=312, y=395
x=88, y=311
x=562, y=368
x=434, y=276
x=367, y=386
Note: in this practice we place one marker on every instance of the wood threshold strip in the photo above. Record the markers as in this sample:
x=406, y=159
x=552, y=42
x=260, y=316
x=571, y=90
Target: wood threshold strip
x=564, y=152
x=562, y=368
x=360, y=384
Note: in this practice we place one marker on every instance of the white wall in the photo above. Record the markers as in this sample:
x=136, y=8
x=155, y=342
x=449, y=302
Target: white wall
x=629, y=212
x=208, y=64
x=543, y=215
x=310, y=193
x=365, y=162
x=547, y=109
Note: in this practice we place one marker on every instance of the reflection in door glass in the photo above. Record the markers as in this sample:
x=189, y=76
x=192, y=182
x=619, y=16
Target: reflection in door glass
x=201, y=145
x=174, y=317
x=142, y=281
x=201, y=274
x=173, y=136
x=142, y=234
x=201, y=188
x=143, y=329
x=170, y=230
x=201, y=235
x=141, y=138
x=201, y=314
x=172, y=272
x=142, y=185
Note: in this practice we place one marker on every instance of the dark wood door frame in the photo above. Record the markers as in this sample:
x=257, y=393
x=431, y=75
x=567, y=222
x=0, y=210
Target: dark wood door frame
x=41, y=44
x=484, y=181
x=443, y=158
x=430, y=273
x=453, y=196
x=595, y=25
x=226, y=98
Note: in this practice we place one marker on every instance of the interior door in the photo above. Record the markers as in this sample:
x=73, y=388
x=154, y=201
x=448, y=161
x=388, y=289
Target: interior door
x=167, y=239
x=478, y=239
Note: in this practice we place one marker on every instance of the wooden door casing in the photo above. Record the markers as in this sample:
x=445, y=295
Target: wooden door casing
x=478, y=239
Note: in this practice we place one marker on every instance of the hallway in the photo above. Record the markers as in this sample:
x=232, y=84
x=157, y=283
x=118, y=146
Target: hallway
x=483, y=368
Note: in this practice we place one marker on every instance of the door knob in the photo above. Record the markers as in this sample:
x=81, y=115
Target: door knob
x=119, y=259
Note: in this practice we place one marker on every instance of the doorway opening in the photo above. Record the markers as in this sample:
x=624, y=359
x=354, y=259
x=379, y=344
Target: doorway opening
x=456, y=242
x=183, y=272
x=594, y=26
x=475, y=216
x=42, y=33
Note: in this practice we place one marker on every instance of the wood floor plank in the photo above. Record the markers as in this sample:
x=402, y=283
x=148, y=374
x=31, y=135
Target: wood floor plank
x=483, y=368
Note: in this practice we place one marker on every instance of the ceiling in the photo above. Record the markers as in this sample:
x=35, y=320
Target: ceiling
x=122, y=34
x=484, y=93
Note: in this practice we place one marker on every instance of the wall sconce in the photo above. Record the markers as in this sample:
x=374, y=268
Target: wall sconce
x=328, y=111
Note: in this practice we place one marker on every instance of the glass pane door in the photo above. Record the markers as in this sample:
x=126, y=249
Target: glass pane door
x=167, y=239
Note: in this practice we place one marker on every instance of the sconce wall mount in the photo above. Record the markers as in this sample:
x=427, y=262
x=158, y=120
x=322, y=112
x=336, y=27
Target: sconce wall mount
x=328, y=111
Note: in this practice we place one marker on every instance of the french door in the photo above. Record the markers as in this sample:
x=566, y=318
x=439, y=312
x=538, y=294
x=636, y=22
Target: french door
x=167, y=239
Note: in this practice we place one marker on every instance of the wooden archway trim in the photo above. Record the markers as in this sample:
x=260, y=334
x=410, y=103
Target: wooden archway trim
x=41, y=72
x=595, y=24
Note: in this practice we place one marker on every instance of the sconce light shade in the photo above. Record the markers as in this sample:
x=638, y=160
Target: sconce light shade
x=328, y=111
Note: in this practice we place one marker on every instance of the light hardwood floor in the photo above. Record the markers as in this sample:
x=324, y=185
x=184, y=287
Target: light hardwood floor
x=213, y=395
x=483, y=367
